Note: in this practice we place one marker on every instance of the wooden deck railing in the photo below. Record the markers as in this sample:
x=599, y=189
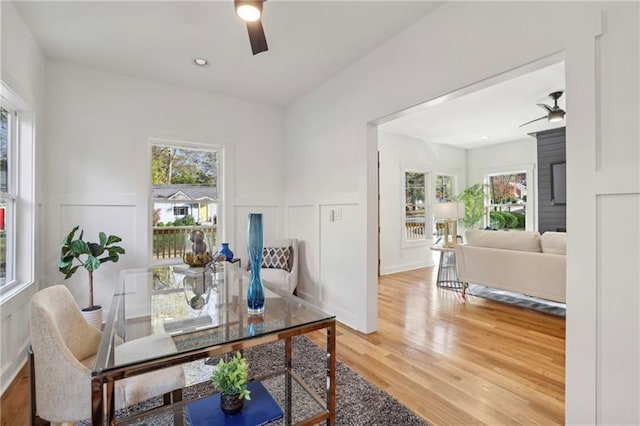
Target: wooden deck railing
x=414, y=230
x=169, y=241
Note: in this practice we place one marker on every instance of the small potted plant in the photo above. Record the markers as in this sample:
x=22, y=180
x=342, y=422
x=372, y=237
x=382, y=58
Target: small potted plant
x=75, y=252
x=230, y=378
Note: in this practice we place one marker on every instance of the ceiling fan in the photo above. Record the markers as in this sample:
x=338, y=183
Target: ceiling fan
x=554, y=113
x=250, y=11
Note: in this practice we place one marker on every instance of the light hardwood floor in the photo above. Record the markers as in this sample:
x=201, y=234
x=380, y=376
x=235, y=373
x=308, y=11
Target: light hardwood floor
x=479, y=362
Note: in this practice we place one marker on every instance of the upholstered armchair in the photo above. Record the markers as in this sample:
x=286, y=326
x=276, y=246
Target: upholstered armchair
x=64, y=348
x=280, y=264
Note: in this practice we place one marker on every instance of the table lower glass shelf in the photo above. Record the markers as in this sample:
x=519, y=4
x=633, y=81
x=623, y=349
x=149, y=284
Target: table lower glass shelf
x=306, y=405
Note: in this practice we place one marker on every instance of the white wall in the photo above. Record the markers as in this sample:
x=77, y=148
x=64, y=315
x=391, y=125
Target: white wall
x=397, y=154
x=506, y=157
x=97, y=170
x=331, y=150
x=22, y=70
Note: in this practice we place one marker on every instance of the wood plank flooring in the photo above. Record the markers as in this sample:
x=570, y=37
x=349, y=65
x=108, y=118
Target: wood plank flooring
x=479, y=362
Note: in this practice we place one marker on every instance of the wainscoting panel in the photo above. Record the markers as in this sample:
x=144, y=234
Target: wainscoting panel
x=299, y=225
x=270, y=220
x=14, y=335
x=111, y=219
x=342, y=261
x=618, y=309
x=6, y=331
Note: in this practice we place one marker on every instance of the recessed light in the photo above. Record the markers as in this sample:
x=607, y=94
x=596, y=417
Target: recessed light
x=249, y=11
x=200, y=62
x=484, y=137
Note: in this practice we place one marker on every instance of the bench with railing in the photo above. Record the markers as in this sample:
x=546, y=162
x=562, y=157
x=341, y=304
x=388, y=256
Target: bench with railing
x=169, y=241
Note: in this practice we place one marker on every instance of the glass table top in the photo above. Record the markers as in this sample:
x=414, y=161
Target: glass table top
x=167, y=310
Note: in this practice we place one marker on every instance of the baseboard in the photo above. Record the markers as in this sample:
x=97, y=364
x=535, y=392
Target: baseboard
x=406, y=267
x=342, y=316
x=10, y=374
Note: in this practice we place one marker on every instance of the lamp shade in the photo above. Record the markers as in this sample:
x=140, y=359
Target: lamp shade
x=449, y=210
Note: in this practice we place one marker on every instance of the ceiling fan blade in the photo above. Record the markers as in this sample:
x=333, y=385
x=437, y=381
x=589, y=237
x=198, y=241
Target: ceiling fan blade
x=545, y=107
x=257, y=37
x=533, y=121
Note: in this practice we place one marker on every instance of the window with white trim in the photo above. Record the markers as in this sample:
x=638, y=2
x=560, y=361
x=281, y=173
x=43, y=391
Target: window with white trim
x=184, y=197
x=444, y=192
x=415, y=206
x=8, y=194
x=180, y=211
x=444, y=188
x=507, y=208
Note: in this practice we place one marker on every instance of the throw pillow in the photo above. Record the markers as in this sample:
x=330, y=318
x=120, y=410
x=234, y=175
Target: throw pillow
x=276, y=258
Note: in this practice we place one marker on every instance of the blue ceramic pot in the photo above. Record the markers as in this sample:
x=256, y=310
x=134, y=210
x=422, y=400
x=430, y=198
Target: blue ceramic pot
x=226, y=251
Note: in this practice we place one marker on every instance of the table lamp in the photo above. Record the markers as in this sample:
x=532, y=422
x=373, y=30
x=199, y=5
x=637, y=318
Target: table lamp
x=450, y=212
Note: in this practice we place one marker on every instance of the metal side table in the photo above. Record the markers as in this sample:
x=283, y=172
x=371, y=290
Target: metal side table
x=448, y=269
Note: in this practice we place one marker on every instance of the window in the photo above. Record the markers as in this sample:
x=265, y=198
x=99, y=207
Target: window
x=7, y=195
x=508, y=200
x=180, y=210
x=444, y=188
x=184, y=197
x=414, y=206
x=444, y=193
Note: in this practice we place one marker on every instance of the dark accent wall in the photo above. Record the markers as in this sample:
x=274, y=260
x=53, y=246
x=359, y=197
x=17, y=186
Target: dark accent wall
x=551, y=149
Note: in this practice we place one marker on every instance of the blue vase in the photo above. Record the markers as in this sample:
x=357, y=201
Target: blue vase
x=255, y=294
x=226, y=251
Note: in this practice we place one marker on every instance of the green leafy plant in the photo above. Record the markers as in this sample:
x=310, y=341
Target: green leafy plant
x=521, y=220
x=75, y=252
x=496, y=219
x=473, y=198
x=230, y=377
x=510, y=220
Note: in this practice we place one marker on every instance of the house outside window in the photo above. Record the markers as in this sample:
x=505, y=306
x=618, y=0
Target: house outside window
x=415, y=206
x=507, y=206
x=184, y=197
x=8, y=195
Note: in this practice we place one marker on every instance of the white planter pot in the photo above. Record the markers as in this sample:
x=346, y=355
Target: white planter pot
x=93, y=316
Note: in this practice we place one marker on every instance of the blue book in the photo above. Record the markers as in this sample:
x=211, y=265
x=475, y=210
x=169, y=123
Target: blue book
x=260, y=410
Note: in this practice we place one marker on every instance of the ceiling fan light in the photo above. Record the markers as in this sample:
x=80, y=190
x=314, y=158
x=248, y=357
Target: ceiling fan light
x=249, y=11
x=555, y=116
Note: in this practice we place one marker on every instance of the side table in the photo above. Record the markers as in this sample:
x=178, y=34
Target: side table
x=448, y=269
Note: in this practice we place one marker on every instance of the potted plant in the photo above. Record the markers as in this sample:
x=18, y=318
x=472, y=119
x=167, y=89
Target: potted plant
x=473, y=198
x=230, y=378
x=75, y=252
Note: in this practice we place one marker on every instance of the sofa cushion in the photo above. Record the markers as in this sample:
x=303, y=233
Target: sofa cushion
x=507, y=240
x=276, y=258
x=554, y=242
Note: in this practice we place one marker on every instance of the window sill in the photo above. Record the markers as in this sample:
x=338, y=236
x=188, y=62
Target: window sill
x=10, y=290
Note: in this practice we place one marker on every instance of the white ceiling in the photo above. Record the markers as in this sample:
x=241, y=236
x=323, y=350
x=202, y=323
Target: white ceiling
x=496, y=112
x=309, y=41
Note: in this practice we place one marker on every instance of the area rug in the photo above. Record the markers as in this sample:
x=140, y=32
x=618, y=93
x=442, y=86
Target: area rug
x=529, y=302
x=358, y=401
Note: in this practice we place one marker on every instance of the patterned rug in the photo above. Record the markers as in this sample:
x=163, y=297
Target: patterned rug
x=529, y=302
x=359, y=403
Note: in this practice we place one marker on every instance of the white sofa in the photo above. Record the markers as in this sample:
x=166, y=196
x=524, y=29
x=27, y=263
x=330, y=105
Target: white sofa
x=522, y=262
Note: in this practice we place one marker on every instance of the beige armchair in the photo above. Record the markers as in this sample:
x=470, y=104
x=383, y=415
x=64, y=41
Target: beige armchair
x=286, y=278
x=64, y=348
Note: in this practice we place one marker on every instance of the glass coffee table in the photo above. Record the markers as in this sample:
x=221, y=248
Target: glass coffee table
x=204, y=314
